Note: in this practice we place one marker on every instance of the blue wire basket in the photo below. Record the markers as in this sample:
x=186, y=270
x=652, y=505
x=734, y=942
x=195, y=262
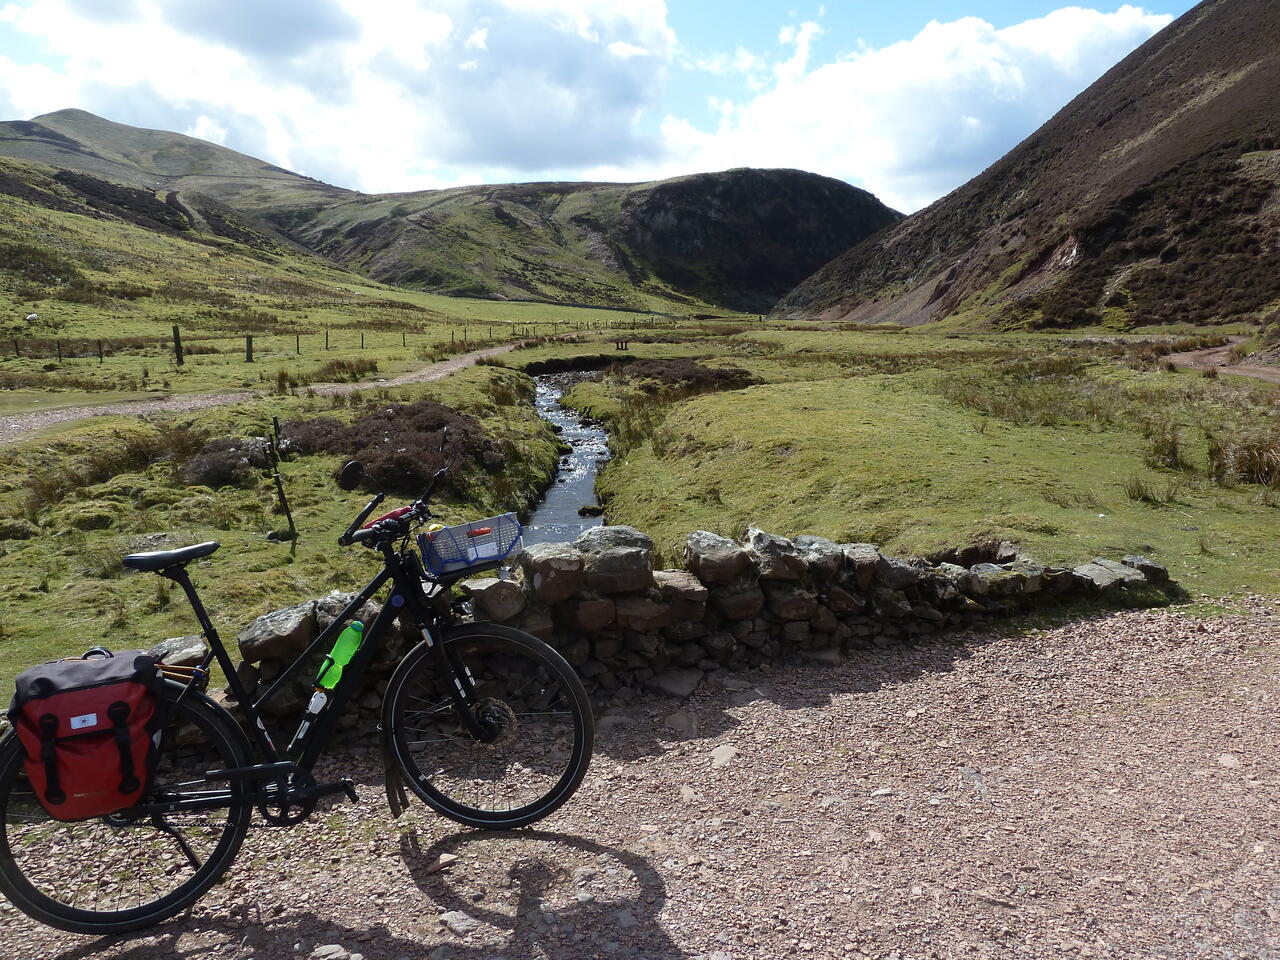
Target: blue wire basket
x=477, y=545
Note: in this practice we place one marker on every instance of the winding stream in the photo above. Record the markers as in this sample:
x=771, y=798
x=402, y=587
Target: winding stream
x=556, y=518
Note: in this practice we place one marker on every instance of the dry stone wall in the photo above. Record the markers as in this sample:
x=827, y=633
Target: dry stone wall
x=629, y=629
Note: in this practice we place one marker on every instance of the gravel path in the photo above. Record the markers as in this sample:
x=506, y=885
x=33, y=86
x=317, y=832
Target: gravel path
x=1109, y=788
x=17, y=426
x=1219, y=357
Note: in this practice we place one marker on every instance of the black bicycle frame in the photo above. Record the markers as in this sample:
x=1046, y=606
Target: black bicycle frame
x=407, y=598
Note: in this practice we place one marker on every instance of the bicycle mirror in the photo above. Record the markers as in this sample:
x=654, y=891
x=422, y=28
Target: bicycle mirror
x=350, y=475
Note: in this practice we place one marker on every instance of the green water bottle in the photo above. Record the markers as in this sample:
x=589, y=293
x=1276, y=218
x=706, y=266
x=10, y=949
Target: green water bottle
x=344, y=648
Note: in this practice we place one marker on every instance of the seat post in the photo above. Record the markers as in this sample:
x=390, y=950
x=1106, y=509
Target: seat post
x=180, y=576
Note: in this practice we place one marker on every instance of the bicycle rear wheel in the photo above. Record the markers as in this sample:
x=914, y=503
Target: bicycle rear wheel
x=532, y=700
x=123, y=872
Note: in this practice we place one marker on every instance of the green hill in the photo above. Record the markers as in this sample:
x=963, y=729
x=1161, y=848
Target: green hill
x=1152, y=198
x=734, y=240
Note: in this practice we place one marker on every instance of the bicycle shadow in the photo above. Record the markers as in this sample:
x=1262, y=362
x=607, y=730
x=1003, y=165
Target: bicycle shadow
x=512, y=891
x=568, y=896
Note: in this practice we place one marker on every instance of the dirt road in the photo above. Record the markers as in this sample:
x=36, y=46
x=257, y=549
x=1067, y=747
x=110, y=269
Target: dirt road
x=1108, y=789
x=17, y=426
x=1219, y=357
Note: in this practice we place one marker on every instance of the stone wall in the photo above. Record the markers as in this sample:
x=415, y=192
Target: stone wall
x=628, y=628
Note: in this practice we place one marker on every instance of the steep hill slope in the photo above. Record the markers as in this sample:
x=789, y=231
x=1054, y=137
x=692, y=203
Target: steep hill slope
x=1150, y=198
x=736, y=240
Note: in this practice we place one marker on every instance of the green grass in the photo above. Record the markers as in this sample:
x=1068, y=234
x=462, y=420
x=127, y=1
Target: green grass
x=902, y=461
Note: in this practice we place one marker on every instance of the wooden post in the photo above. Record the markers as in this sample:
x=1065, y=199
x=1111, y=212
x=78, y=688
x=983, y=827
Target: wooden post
x=361, y=339
x=177, y=345
x=404, y=339
x=452, y=334
x=17, y=350
x=275, y=429
x=248, y=348
x=297, y=343
x=58, y=346
x=326, y=338
x=99, y=351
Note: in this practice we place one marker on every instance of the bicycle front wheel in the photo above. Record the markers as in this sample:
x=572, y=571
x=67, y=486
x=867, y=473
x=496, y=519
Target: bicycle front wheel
x=124, y=872
x=530, y=699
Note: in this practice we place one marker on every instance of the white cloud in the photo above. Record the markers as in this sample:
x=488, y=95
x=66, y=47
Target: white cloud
x=913, y=120
x=400, y=94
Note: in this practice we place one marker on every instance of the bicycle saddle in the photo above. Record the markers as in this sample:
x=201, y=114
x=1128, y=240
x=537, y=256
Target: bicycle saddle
x=163, y=559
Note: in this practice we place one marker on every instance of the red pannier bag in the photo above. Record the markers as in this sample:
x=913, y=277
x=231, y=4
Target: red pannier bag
x=90, y=730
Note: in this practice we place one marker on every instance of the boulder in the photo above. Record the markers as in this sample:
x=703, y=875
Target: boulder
x=678, y=683
x=1033, y=572
x=615, y=559
x=824, y=557
x=643, y=614
x=553, y=571
x=537, y=620
x=330, y=607
x=861, y=560
x=791, y=601
x=714, y=559
x=279, y=635
x=1104, y=575
x=890, y=603
x=1153, y=571
x=589, y=614
x=824, y=620
x=738, y=601
x=895, y=573
x=842, y=601
x=181, y=651
x=494, y=599
x=777, y=557
x=682, y=590
x=988, y=579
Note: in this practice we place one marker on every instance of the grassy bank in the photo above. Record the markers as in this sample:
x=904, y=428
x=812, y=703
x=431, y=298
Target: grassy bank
x=917, y=443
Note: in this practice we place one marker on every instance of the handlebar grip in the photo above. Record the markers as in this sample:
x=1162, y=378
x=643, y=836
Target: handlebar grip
x=360, y=536
x=349, y=536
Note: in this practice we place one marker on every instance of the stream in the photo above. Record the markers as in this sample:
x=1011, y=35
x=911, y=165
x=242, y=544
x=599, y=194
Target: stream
x=556, y=519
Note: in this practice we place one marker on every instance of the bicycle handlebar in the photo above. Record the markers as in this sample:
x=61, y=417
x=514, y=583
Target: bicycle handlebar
x=349, y=536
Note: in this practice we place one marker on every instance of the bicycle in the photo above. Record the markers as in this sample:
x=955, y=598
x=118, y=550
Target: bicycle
x=487, y=725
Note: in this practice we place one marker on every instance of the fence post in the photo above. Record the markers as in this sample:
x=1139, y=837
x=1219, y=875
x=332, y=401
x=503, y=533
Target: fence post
x=58, y=346
x=326, y=338
x=248, y=348
x=404, y=339
x=99, y=351
x=17, y=350
x=297, y=343
x=177, y=345
x=361, y=339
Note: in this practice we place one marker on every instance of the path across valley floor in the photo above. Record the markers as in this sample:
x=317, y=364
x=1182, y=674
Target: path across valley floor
x=1109, y=788
x=18, y=426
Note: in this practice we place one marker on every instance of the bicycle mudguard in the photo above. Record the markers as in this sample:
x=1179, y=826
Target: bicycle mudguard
x=397, y=796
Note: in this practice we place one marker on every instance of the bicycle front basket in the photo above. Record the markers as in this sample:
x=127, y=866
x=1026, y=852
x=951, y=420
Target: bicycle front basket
x=470, y=546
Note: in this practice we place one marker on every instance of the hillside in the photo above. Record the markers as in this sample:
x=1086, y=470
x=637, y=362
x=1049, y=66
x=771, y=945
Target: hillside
x=1151, y=198
x=733, y=240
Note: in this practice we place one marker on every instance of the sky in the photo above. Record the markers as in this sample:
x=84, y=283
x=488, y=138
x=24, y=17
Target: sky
x=907, y=99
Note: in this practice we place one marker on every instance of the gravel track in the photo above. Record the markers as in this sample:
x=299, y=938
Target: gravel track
x=18, y=426
x=1110, y=788
x=1219, y=358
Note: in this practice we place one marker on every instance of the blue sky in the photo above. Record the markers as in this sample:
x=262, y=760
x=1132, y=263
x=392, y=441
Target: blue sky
x=907, y=99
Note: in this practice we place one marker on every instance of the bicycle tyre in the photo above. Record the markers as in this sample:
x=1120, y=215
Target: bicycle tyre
x=489, y=651
x=216, y=742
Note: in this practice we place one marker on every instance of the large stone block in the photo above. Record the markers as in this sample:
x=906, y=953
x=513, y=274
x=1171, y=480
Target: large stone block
x=498, y=600
x=589, y=614
x=844, y=602
x=181, y=651
x=714, y=559
x=279, y=635
x=861, y=561
x=740, y=600
x=643, y=614
x=553, y=571
x=825, y=558
x=791, y=601
x=777, y=557
x=687, y=596
x=616, y=559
